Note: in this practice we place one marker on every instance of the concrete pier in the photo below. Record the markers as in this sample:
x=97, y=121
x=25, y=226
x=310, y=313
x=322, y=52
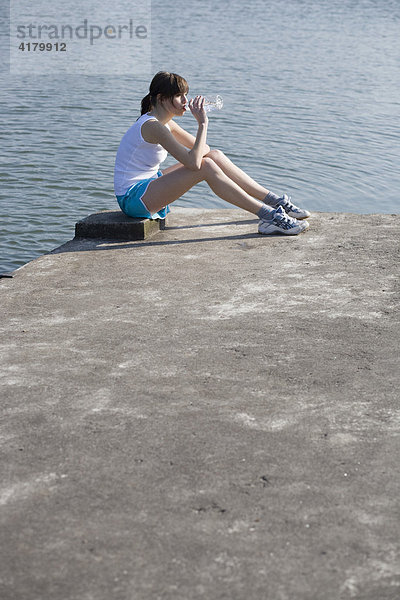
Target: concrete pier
x=209, y=413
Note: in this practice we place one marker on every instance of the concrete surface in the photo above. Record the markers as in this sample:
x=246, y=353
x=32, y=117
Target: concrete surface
x=114, y=224
x=208, y=414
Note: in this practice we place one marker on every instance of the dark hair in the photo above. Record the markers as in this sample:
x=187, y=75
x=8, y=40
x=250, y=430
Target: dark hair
x=167, y=85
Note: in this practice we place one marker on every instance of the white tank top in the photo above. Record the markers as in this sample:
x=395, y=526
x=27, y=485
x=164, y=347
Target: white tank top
x=136, y=159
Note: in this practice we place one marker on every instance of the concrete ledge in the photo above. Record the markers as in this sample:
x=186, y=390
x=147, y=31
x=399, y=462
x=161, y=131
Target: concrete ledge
x=114, y=225
x=220, y=419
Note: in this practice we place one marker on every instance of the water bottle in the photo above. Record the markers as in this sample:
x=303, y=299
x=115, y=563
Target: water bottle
x=213, y=103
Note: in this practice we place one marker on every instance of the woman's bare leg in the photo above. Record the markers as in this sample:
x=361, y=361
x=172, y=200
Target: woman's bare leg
x=237, y=175
x=253, y=188
x=233, y=172
x=178, y=181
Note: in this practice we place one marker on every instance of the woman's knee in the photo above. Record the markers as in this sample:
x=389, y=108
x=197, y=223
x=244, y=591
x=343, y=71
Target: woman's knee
x=208, y=165
x=216, y=155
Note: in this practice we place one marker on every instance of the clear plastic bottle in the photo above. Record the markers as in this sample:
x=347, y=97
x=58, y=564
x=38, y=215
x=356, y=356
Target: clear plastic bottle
x=212, y=103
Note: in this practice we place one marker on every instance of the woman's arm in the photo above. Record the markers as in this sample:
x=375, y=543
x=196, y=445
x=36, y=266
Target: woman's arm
x=184, y=137
x=155, y=132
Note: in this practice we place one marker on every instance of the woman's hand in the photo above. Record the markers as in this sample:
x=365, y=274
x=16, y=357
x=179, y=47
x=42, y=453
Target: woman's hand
x=196, y=105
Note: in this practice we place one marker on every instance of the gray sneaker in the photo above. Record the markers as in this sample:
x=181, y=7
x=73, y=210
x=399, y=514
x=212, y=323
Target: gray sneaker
x=291, y=209
x=282, y=223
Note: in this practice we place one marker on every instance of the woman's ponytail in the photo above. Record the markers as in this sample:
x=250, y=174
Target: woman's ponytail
x=146, y=104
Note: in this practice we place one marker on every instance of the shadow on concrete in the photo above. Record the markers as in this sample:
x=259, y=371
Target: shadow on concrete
x=223, y=223
x=92, y=244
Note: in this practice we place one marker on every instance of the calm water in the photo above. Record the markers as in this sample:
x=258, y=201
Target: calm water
x=311, y=92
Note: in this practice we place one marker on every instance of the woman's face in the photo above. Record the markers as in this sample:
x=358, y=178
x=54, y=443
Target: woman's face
x=179, y=102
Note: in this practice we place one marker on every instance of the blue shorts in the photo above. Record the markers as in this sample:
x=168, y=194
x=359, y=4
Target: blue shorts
x=131, y=202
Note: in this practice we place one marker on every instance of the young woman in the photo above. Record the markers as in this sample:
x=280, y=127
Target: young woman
x=142, y=190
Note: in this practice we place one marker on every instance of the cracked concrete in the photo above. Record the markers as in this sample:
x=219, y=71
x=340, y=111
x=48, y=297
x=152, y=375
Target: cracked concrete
x=209, y=413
